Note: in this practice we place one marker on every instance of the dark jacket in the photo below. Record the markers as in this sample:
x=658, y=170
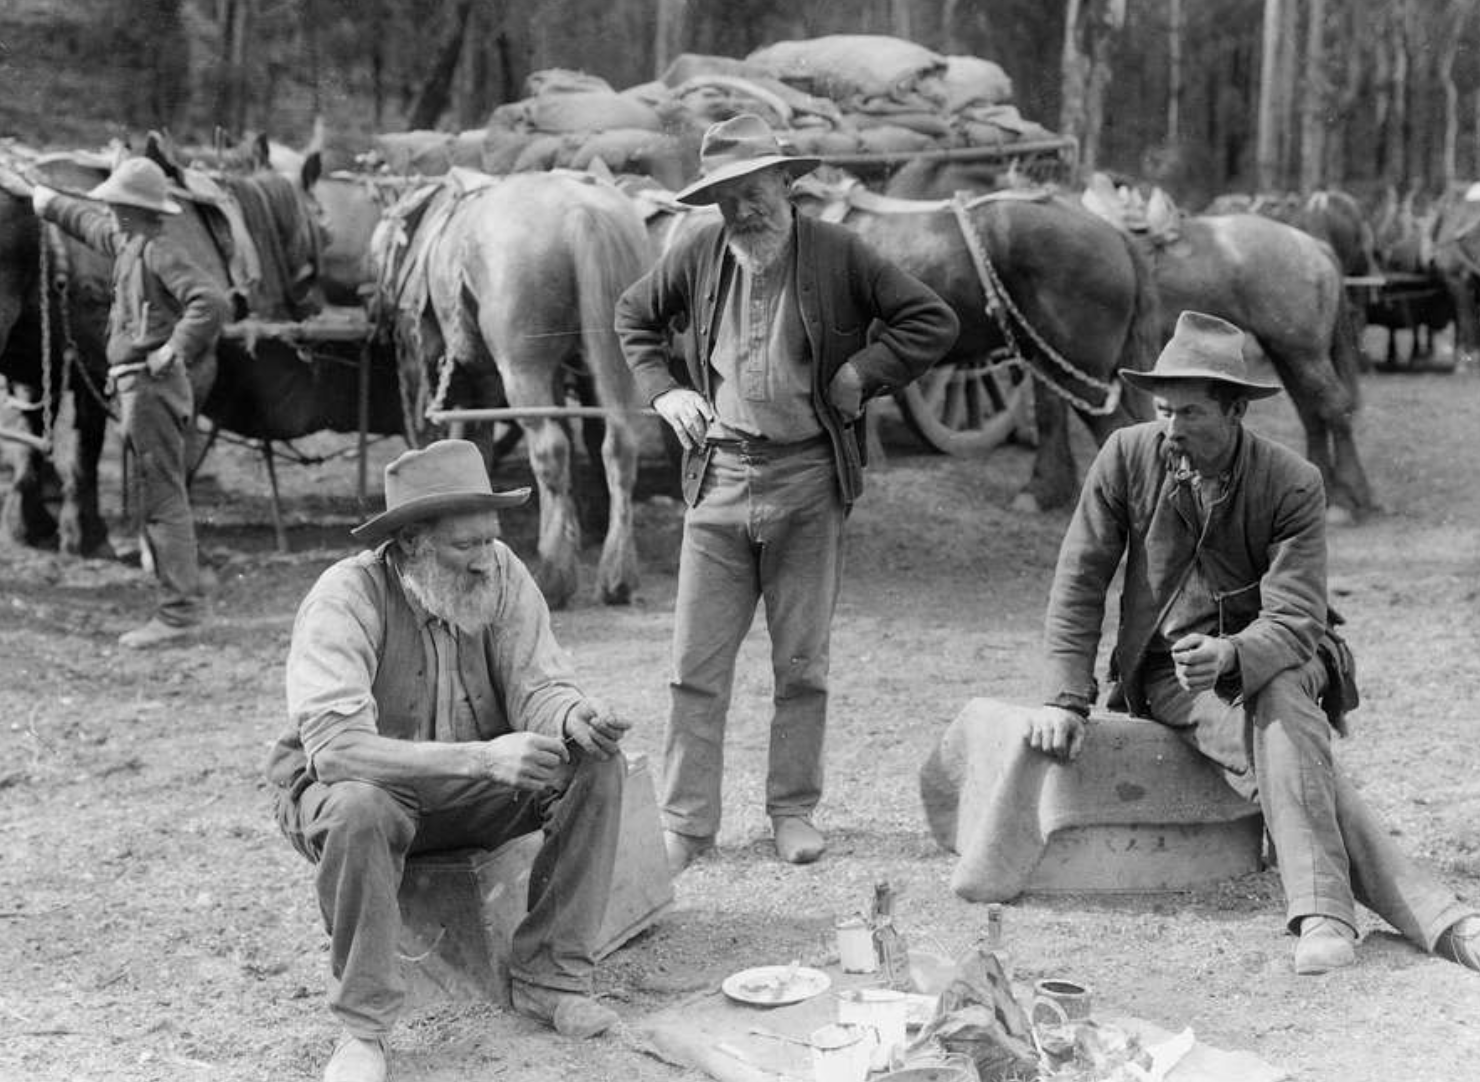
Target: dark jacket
x=842, y=287
x=159, y=294
x=1263, y=553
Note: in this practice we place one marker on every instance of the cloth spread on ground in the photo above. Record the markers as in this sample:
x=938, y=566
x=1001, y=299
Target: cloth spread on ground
x=713, y=1034
x=995, y=801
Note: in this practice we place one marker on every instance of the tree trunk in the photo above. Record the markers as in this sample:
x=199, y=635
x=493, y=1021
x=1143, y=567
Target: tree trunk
x=432, y=100
x=1175, y=27
x=1089, y=29
x=669, y=35
x=901, y=19
x=1313, y=116
x=1456, y=17
x=1267, y=141
x=950, y=37
x=1397, y=129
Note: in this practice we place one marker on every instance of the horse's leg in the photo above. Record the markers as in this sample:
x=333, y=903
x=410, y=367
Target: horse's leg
x=616, y=577
x=93, y=541
x=24, y=517
x=1327, y=409
x=560, y=530
x=1054, y=481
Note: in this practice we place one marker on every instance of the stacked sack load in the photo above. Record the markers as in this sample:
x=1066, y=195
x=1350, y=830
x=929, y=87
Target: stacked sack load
x=841, y=95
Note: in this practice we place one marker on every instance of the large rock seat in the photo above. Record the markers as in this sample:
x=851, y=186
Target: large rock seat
x=1138, y=810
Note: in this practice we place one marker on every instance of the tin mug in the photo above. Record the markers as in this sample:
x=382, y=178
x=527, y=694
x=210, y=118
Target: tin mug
x=1058, y=1001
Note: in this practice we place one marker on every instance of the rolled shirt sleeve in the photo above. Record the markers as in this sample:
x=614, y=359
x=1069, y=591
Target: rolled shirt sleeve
x=333, y=658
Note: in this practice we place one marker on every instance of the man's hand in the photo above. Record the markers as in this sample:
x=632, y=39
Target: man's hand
x=1200, y=659
x=14, y=183
x=593, y=727
x=687, y=414
x=845, y=391
x=523, y=760
x=158, y=361
x=1057, y=732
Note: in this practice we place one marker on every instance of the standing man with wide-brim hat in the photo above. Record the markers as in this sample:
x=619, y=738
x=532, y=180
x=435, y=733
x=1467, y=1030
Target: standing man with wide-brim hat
x=166, y=315
x=792, y=326
x=1224, y=636
x=430, y=708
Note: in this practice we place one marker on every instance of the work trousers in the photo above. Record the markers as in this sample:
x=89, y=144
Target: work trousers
x=360, y=835
x=766, y=526
x=154, y=413
x=1332, y=850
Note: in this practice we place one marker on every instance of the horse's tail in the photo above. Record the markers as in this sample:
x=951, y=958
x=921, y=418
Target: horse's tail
x=1143, y=336
x=609, y=243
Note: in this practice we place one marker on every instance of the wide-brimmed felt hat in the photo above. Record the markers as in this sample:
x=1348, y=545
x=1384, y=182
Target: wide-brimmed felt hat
x=734, y=148
x=137, y=182
x=443, y=478
x=1202, y=347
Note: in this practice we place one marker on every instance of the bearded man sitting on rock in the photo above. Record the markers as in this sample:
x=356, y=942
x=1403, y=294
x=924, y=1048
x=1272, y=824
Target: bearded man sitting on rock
x=431, y=708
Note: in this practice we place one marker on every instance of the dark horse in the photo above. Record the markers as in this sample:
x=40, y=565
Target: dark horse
x=261, y=386
x=51, y=355
x=1041, y=278
x=1284, y=288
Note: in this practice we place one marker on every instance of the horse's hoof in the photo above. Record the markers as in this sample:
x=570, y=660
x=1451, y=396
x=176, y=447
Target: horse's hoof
x=618, y=593
x=558, y=588
x=1025, y=503
x=1339, y=515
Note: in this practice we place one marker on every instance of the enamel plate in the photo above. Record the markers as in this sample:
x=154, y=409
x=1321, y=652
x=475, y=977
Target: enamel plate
x=773, y=986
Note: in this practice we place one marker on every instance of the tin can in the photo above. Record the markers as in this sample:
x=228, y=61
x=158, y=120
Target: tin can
x=856, y=946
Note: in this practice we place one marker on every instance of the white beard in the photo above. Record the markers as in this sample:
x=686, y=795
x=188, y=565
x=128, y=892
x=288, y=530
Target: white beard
x=467, y=602
x=757, y=250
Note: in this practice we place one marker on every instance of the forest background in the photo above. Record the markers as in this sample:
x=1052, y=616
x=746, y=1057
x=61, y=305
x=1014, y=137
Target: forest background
x=1200, y=96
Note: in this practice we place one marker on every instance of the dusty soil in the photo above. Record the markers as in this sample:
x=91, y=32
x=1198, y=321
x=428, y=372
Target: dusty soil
x=153, y=925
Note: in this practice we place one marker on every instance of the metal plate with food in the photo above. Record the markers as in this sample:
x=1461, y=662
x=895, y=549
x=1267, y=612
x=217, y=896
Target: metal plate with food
x=774, y=986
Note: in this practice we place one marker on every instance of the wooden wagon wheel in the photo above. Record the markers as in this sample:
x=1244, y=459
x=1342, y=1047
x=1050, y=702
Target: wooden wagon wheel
x=955, y=408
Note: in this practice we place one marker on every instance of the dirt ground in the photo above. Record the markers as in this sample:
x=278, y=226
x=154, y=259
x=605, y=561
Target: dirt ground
x=153, y=925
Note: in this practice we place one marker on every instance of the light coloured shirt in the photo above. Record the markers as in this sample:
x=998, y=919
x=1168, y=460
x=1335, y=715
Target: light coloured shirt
x=340, y=630
x=761, y=360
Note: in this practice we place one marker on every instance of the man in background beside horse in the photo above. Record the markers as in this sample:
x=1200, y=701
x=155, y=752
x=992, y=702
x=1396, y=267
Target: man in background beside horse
x=1223, y=636
x=430, y=708
x=792, y=325
x=165, y=317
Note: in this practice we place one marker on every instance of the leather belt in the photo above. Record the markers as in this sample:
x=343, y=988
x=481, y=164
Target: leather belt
x=769, y=449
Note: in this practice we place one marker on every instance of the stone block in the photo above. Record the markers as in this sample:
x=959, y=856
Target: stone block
x=459, y=908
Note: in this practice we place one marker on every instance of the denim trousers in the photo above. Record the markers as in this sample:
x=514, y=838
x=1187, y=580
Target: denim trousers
x=766, y=526
x=1332, y=849
x=154, y=412
x=359, y=835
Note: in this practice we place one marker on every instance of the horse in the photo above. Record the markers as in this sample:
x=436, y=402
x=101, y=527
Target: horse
x=257, y=387
x=1456, y=260
x=1036, y=276
x=54, y=298
x=504, y=290
x=1283, y=287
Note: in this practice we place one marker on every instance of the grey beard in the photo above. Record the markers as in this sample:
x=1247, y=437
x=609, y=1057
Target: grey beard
x=467, y=602
x=755, y=251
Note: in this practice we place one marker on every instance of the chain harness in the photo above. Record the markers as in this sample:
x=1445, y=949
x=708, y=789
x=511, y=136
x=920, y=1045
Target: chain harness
x=1002, y=309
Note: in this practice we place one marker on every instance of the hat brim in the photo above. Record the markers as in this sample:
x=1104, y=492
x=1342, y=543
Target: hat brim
x=701, y=192
x=386, y=523
x=1153, y=381
x=107, y=192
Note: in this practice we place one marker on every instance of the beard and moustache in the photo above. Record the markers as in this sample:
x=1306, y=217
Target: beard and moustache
x=467, y=601
x=758, y=240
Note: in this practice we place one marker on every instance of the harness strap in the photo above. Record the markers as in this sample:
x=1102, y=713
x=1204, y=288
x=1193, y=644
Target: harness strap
x=1000, y=306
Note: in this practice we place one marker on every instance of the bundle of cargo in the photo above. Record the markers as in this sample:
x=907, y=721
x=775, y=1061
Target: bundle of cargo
x=862, y=101
x=567, y=119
